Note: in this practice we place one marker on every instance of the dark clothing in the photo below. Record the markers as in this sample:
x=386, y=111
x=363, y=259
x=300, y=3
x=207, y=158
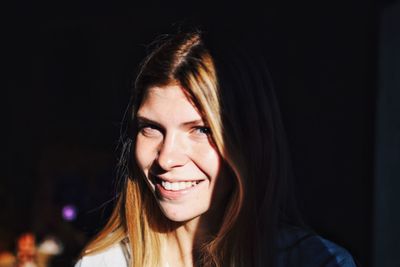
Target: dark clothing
x=301, y=248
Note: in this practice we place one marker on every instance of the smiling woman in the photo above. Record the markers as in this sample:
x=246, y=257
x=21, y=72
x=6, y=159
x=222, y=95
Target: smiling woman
x=205, y=171
x=174, y=150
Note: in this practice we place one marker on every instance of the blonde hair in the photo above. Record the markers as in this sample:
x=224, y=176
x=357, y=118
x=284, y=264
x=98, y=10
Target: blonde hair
x=246, y=228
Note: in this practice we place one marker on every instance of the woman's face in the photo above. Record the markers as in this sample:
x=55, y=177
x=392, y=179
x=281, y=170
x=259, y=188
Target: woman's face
x=176, y=154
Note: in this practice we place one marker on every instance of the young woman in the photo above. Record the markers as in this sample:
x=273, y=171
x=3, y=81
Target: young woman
x=205, y=171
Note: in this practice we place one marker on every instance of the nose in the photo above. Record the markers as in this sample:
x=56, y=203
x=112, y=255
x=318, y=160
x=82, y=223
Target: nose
x=172, y=152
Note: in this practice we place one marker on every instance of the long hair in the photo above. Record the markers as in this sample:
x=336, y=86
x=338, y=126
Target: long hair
x=233, y=93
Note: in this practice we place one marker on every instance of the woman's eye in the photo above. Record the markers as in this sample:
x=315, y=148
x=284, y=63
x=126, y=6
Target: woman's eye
x=202, y=130
x=149, y=130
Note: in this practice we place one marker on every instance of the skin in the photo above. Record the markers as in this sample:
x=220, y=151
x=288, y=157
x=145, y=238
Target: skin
x=174, y=144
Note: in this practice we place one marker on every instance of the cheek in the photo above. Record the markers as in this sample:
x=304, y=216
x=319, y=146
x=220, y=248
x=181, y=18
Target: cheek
x=208, y=159
x=144, y=153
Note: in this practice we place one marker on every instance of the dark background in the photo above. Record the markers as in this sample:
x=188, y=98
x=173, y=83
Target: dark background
x=69, y=70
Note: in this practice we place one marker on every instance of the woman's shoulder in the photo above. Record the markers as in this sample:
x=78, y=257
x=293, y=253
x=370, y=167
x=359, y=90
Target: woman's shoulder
x=301, y=247
x=110, y=257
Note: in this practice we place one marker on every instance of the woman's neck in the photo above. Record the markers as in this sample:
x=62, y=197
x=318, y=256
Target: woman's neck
x=183, y=245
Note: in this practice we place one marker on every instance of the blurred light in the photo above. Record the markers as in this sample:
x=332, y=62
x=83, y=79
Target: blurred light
x=69, y=212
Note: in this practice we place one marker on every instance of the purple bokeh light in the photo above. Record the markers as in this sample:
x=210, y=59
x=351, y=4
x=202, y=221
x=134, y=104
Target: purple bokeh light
x=69, y=212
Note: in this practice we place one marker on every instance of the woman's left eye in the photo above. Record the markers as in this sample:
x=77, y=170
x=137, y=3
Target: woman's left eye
x=202, y=130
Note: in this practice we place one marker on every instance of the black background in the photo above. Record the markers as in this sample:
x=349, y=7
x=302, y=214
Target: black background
x=69, y=69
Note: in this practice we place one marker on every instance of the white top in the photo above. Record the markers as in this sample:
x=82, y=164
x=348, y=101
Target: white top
x=111, y=257
x=115, y=256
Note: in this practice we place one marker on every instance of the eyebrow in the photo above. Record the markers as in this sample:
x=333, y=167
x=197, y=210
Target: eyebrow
x=142, y=119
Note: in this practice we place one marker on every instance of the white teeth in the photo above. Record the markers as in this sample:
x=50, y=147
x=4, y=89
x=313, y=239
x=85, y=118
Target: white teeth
x=182, y=185
x=167, y=185
x=177, y=185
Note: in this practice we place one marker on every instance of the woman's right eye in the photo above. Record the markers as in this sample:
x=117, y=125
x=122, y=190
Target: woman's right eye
x=149, y=130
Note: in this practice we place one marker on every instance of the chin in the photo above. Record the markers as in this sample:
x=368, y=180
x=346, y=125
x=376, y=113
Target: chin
x=178, y=215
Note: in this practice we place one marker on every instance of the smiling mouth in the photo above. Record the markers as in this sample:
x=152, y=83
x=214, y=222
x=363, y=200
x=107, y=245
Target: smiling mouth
x=177, y=186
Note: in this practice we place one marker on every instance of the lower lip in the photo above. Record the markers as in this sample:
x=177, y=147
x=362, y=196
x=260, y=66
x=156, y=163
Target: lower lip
x=174, y=195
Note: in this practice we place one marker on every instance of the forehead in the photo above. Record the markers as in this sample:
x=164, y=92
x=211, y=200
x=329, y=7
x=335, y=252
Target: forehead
x=168, y=103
